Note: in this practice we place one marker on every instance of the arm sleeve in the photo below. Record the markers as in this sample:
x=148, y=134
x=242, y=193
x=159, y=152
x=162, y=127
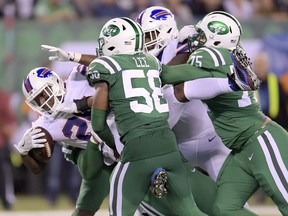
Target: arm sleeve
x=206, y=88
x=181, y=73
x=101, y=127
x=175, y=107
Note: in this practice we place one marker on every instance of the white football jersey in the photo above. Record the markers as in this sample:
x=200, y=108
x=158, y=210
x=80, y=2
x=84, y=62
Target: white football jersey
x=71, y=129
x=195, y=134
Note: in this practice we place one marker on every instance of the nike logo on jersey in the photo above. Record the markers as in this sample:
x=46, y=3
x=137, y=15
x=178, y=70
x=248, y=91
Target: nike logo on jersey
x=23, y=144
x=250, y=158
x=193, y=170
x=212, y=138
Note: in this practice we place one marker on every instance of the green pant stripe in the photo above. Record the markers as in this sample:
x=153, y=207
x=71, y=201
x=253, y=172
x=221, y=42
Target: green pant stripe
x=275, y=162
x=117, y=183
x=149, y=209
x=115, y=187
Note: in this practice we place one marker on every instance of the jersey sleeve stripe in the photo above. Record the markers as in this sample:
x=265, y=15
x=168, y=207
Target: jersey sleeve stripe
x=115, y=63
x=107, y=64
x=214, y=55
x=82, y=69
x=182, y=48
x=219, y=55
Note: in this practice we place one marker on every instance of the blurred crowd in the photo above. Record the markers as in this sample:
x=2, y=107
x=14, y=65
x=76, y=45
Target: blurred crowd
x=55, y=10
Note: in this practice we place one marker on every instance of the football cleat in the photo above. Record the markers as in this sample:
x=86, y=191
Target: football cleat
x=158, y=182
x=243, y=78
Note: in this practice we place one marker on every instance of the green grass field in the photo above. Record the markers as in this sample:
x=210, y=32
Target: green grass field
x=37, y=205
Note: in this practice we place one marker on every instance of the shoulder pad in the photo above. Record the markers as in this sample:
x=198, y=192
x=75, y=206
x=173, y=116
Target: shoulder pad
x=210, y=57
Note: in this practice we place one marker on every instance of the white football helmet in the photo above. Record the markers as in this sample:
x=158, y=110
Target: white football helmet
x=159, y=25
x=217, y=29
x=120, y=36
x=43, y=81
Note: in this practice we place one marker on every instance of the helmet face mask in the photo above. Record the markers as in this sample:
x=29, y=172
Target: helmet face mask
x=120, y=36
x=217, y=29
x=44, y=91
x=159, y=26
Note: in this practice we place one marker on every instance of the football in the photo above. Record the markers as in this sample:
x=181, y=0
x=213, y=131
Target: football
x=43, y=154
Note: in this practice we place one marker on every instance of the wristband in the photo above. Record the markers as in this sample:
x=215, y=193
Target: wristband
x=76, y=56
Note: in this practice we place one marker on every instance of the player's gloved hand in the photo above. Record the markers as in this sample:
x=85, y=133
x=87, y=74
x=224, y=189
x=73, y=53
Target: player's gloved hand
x=185, y=32
x=109, y=155
x=70, y=153
x=243, y=77
x=57, y=54
x=30, y=140
x=75, y=106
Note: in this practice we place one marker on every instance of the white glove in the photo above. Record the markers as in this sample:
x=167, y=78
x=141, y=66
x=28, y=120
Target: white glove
x=58, y=54
x=30, y=140
x=108, y=154
x=68, y=107
x=185, y=32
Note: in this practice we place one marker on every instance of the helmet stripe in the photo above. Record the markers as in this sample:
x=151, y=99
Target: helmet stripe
x=27, y=85
x=232, y=17
x=139, y=18
x=139, y=34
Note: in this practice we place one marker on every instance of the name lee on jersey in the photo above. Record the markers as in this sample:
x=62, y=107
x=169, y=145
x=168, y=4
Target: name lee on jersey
x=140, y=62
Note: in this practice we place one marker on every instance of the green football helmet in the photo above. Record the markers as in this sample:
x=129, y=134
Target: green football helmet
x=120, y=36
x=217, y=29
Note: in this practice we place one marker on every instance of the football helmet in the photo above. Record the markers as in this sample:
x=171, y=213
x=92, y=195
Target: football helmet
x=159, y=26
x=216, y=29
x=45, y=83
x=120, y=36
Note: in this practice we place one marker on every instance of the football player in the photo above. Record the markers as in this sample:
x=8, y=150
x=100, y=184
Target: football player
x=45, y=93
x=195, y=134
x=127, y=81
x=196, y=137
x=259, y=145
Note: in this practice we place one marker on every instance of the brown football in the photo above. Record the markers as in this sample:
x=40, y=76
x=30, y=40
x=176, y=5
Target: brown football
x=43, y=154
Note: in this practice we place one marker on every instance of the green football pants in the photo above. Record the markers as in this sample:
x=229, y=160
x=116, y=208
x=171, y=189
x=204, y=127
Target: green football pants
x=263, y=162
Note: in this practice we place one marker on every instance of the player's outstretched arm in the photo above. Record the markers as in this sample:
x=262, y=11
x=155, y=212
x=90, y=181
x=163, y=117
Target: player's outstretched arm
x=243, y=78
x=57, y=54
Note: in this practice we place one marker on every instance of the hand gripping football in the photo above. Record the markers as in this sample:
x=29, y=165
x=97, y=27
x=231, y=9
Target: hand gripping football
x=43, y=154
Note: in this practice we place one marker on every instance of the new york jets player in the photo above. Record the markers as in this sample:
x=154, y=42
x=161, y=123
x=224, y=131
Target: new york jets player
x=45, y=93
x=259, y=145
x=196, y=137
x=127, y=82
x=195, y=134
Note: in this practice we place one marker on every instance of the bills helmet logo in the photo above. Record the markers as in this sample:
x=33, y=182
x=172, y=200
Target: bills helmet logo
x=160, y=14
x=44, y=72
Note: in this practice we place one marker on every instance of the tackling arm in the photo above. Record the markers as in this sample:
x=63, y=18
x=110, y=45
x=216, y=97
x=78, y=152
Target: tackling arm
x=99, y=114
x=57, y=54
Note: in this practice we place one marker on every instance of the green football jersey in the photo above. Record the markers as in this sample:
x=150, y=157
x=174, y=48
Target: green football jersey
x=236, y=115
x=135, y=95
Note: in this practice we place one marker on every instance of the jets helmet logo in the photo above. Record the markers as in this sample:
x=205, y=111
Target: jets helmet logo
x=111, y=30
x=160, y=14
x=218, y=27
